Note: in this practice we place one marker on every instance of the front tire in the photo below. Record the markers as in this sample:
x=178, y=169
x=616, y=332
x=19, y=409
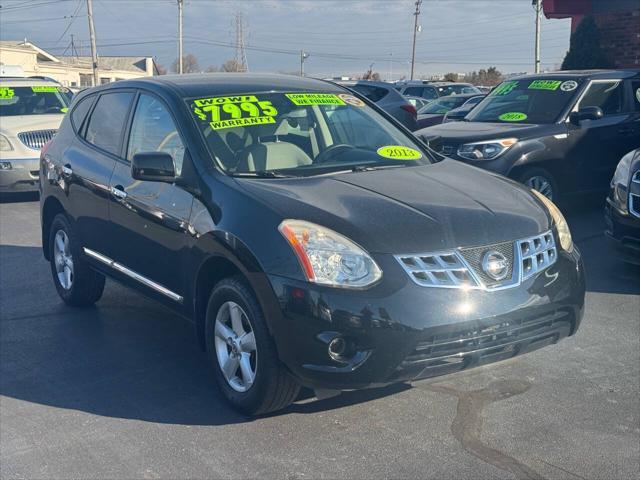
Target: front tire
x=77, y=284
x=542, y=181
x=243, y=355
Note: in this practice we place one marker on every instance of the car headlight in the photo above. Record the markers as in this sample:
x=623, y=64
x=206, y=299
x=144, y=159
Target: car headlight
x=328, y=258
x=487, y=150
x=620, y=182
x=564, y=234
x=5, y=145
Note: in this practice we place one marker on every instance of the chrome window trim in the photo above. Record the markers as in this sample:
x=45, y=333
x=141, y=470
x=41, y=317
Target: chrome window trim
x=517, y=277
x=134, y=275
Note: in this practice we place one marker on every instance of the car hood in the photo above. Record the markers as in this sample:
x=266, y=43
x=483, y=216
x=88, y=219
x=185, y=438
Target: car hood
x=478, y=131
x=409, y=209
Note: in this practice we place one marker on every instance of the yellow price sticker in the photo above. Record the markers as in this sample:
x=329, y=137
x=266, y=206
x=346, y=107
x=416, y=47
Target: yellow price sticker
x=6, y=93
x=398, y=152
x=44, y=89
x=234, y=111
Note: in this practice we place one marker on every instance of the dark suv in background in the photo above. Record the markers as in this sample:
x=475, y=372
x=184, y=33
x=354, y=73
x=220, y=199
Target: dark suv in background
x=562, y=132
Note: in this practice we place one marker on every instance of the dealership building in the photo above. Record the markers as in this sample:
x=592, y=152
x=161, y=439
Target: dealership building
x=617, y=20
x=73, y=71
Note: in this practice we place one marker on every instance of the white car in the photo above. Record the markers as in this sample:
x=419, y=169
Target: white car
x=31, y=111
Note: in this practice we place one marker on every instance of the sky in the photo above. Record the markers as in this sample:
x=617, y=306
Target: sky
x=342, y=37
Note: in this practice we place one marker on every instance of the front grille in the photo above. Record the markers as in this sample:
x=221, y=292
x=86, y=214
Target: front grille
x=463, y=267
x=634, y=204
x=456, y=347
x=474, y=257
x=36, y=139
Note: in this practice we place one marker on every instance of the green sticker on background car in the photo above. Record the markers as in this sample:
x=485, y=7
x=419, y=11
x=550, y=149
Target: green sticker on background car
x=513, y=117
x=64, y=110
x=307, y=99
x=638, y=94
x=545, y=85
x=234, y=111
x=505, y=87
x=44, y=89
x=6, y=93
x=398, y=152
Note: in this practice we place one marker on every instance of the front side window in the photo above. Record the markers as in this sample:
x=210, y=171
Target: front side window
x=153, y=130
x=107, y=121
x=606, y=95
x=539, y=100
x=35, y=100
x=457, y=90
x=300, y=134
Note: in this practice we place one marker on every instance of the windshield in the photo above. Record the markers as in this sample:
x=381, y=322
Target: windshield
x=36, y=100
x=456, y=90
x=300, y=134
x=442, y=105
x=526, y=101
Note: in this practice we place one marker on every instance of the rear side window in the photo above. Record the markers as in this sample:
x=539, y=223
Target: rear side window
x=606, y=95
x=375, y=94
x=79, y=112
x=108, y=120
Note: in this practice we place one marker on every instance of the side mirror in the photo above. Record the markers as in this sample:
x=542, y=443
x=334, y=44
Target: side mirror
x=153, y=167
x=586, y=113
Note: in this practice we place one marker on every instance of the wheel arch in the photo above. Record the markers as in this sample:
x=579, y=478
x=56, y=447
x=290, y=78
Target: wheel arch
x=51, y=207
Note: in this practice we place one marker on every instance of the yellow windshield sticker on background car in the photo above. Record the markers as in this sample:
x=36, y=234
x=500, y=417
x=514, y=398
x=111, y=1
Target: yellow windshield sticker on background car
x=504, y=88
x=64, y=110
x=306, y=99
x=545, y=85
x=44, y=89
x=6, y=93
x=234, y=111
x=638, y=95
x=513, y=117
x=398, y=152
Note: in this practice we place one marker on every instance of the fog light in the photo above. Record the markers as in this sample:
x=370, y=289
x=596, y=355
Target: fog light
x=5, y=166
x=337, y=348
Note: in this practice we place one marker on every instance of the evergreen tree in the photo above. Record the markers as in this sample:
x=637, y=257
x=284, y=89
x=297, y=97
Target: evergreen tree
x=585, y=51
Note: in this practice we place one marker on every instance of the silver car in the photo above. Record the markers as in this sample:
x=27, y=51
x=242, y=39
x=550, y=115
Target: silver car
x=386, y=97
x=31, y=111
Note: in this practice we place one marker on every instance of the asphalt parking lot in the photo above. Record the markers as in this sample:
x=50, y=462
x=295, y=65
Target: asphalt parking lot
x=122, y=390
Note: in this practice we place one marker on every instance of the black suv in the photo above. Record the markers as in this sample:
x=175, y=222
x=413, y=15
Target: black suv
x=558, y=133
x=308, y=236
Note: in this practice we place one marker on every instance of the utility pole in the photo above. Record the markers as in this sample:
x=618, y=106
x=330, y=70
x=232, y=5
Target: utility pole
x=303, y=56
x=415, y=33
x=94, y=52
x=180, y=62
x=391, y=67
x=538, y=5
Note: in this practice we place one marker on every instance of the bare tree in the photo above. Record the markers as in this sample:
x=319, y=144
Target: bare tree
x=212, y=69
x=451, y=77
x=232, y=66
x=189, y=64
x=161, y=69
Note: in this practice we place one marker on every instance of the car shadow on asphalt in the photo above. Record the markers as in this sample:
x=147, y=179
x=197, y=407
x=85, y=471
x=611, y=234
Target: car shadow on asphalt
x=19, y=197
x=127, y=357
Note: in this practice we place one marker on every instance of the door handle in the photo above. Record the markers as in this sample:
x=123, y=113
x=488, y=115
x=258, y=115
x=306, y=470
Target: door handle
x=67, y=170
x=118, y=192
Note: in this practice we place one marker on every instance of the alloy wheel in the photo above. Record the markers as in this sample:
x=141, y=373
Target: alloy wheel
x=63, y=259
x=540, y=184
x=235, y=345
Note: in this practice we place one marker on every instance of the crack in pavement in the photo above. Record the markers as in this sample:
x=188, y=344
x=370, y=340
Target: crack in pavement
x=467, y=424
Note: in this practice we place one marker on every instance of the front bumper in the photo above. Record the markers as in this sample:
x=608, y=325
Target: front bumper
x=400, y=331
x=23, y=176
x=623, y=231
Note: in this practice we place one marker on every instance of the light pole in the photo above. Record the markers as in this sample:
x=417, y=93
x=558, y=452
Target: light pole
x=180, y=2
x=94, y=51
x=538, y=5
x=303, y=56
x=415, y=33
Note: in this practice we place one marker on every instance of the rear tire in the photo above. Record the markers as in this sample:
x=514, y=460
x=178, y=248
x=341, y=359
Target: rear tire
x=262, y=384
x=77, y=284
x=542, y=181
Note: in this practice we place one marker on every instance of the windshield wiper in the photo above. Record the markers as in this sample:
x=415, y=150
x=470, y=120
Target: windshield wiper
x=363, y=168
x=262, y=174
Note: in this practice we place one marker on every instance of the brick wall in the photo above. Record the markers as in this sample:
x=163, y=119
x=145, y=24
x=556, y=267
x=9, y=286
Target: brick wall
x=620, y=37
